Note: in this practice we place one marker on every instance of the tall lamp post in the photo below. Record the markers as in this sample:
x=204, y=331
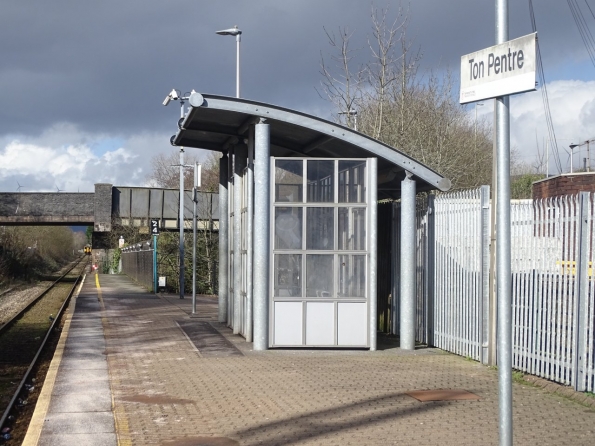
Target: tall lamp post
x=588, y=159
x=238, y=33
x=175, y=95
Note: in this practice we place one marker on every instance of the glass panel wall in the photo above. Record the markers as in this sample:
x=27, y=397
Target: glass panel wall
x=320, y=242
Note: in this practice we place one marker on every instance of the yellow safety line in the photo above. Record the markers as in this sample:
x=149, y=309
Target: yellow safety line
x=43, y=402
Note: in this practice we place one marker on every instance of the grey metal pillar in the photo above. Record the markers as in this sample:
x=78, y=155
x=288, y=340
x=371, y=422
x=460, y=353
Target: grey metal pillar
x=394, y=270
x=503, y=256
x=373, y=231
x=230, y=236
x=431, y=270
x=249, y=182
x=407, y=279
x=240, y=157
x=181, y=280
x=581, y=307
x=223, y=239
x=262, y=203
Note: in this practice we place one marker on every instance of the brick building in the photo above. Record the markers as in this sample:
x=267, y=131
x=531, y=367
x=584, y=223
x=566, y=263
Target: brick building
x=564, y=184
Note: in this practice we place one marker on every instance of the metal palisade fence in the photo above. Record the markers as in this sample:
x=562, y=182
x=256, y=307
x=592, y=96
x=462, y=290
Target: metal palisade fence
x=553, y=289
x=553, y=284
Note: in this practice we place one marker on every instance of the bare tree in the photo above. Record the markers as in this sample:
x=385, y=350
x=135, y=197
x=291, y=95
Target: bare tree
x=416, y=114
x=164, y=175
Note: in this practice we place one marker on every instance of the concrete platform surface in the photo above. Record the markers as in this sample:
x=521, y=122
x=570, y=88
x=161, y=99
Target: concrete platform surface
x=175, y=380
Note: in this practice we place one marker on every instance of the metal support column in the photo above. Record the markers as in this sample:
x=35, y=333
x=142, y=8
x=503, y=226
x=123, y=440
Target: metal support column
x=230, y=191
x=155, y=272
x=249, y=234
x=394, y=269
x=262, y=204
x=181, y=223
x=581, y=306
x=407, y=279
x=431, y=270
x=240, y=156
x=373, y=231
x=223, y=239
x=503, y=255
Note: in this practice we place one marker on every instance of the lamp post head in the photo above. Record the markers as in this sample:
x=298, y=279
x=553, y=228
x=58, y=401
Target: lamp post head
x=572, y=146
x=230, y=32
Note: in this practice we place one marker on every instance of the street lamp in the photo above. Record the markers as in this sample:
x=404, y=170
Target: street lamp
x=238, y=33
x=175, y=95
x=588, y=143
x=572, y=146
x=351, y=112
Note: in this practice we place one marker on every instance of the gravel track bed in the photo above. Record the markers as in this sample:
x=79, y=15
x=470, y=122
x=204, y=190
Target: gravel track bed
x=14, y=301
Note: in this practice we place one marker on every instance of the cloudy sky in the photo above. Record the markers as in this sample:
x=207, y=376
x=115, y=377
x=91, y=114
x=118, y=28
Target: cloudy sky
x=82, y=83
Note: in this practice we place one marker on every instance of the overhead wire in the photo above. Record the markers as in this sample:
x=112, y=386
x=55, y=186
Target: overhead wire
x=588, y=6
x=583, y=27
x=544, y=95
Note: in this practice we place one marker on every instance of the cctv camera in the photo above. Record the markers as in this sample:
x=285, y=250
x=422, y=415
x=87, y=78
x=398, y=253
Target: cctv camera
x=174, y=95
x=167, y=100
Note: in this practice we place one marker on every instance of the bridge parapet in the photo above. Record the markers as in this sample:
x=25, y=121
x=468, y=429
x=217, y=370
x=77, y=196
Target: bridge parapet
x=126, y=206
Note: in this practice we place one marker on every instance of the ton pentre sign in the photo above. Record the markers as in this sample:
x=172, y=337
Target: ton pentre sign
x=500, y=70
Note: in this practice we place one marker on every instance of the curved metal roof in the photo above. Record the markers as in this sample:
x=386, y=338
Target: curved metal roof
x=219, y=122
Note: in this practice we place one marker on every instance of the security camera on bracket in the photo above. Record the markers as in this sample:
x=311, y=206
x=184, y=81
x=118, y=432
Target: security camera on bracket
x=172, y=96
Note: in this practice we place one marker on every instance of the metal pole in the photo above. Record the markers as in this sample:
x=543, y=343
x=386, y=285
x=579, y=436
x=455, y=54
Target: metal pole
x=223, y=239
x=249, y=235
x=194, y=200
x=407, y=279
x=181, y=223
x=181, y=280
x=503, y=230
x=238, y=40
x=262, y=172
x=373, y=279
x=240, y=155
x=155, y=275
x=231, y=272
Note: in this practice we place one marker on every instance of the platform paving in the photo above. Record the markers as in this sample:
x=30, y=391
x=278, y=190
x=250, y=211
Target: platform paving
x=175, y=384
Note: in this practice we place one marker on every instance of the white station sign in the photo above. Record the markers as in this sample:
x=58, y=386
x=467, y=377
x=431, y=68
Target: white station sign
x=500, y=70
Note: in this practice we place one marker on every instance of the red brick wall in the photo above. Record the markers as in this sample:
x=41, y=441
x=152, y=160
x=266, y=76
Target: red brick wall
x=564, y=184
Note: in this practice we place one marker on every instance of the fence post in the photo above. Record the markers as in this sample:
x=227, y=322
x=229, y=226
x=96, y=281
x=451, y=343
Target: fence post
x=484, y=300
x=582, y=295
x=430, y=270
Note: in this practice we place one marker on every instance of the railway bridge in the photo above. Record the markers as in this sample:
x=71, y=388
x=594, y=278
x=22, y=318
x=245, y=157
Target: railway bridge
x=108, y=205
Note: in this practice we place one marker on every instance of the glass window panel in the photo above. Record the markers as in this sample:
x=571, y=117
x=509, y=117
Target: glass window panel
x=352, y=181
x=319, y=275
x=321, y=181
x=289, y=181
x=352, y=229
x=288, y=275
x=288, y=228
x=352, y=276
x=320, y=228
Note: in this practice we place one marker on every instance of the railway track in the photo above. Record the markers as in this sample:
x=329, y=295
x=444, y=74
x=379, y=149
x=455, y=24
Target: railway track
x=26, y=339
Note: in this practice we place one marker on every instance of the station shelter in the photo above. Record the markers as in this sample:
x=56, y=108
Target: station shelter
x=298, y=223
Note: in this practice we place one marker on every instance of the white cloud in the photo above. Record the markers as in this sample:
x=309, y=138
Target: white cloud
x=66, y=157
x=572, y=106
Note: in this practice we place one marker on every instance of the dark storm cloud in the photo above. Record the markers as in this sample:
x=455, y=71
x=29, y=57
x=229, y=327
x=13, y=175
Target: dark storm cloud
x=106, y=66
